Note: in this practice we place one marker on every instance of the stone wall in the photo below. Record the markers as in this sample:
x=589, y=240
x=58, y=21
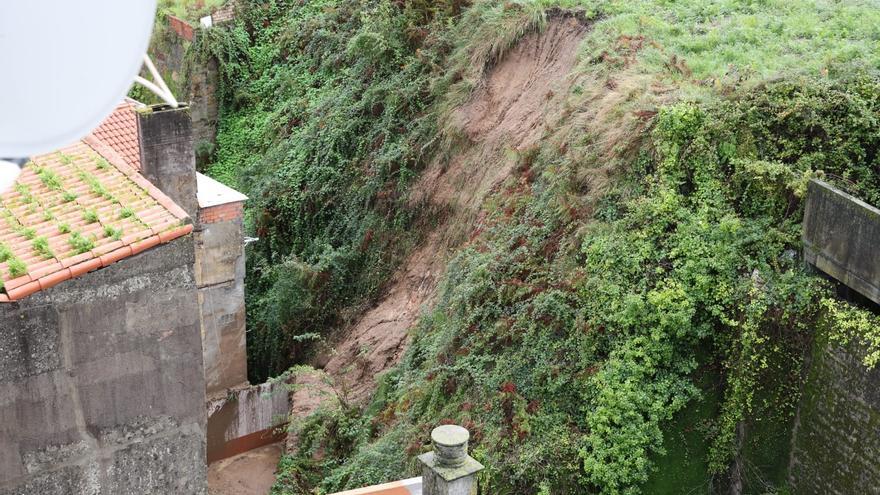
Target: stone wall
x=101, y=383
x=197, y=85
x=836, y=438
x=220, y=266
x=836, y=447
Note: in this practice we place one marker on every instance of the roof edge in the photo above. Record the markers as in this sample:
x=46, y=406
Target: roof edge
x=93, y=264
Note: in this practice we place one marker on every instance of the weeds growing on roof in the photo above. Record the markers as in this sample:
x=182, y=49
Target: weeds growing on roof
x=126, y=212
x=5, y=253
x=80, y=243
x=41, y=246
x=17, y=268
x=64, y=158
x=95, y=185
x=90, y=215
x=112, y=232
x=49, y=178
x=26, y=232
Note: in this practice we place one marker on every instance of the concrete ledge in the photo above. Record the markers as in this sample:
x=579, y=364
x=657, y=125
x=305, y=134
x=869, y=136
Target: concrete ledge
x=841, y=235
x=246, y=419
x=412, y=486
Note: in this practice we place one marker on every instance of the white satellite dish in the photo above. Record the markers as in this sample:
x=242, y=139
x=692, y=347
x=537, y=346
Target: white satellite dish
x=66, y=65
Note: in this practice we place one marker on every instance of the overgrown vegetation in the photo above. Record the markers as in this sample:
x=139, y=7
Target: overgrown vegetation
x=324, y=127
x=636, y=286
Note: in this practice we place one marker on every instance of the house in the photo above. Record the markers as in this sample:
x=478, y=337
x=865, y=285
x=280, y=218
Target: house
x=241, y=417
x=121, y=307
x=218, y=237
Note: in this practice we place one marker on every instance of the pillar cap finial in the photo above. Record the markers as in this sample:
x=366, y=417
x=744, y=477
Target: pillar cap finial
x=450, y=435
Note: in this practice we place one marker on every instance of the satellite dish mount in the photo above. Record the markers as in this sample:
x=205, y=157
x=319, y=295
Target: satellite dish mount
x=159, y=88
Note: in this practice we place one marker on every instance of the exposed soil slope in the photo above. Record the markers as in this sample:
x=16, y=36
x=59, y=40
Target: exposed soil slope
x=520, y=99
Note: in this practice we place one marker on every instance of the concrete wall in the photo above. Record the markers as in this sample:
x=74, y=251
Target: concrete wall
x=101, y=384
x=247, y=418
x=836, y=439
x=198, y=85
x=167, y=158
x=219, y=268
x=841, y=236
x=203, y=101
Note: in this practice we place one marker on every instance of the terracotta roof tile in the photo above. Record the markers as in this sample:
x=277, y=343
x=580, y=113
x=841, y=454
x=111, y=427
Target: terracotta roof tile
x=120, y=132
x=79, y=209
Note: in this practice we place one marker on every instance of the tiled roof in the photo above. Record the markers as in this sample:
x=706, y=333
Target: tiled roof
x=77, y=210
x=119, y=131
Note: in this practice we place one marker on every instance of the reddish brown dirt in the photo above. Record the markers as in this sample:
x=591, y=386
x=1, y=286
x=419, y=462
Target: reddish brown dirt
x=250, y=473
x=520, y=100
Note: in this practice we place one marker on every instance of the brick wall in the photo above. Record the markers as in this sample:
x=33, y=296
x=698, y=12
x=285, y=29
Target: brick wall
x=221, y=213
x=181, y=27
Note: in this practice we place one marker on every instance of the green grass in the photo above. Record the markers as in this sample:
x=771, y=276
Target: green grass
x=741, y=38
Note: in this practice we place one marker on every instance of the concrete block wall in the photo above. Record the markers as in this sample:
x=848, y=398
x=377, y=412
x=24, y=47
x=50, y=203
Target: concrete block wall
x=101, y=382
x=247, y=418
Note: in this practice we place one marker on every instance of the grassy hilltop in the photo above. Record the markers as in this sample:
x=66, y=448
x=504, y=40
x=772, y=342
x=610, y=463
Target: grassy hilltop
x=628, y=310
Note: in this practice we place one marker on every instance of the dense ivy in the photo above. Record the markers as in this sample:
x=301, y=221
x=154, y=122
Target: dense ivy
x=324, y=125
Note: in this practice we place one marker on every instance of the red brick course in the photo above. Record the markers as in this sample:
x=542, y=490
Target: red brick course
x=181, y=27
x=221, y=213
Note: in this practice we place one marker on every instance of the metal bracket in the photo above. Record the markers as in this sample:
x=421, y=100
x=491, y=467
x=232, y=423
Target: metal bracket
x=159, y=88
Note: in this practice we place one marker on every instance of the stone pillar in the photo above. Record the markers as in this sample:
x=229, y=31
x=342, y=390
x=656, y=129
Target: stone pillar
x=167, y=156
x=449, y=470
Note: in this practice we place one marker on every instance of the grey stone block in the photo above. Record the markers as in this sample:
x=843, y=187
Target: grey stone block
x=79, y=480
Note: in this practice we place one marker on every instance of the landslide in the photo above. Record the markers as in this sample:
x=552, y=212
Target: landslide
x=519, y=100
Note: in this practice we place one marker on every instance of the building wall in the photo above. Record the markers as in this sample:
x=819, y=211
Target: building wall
x=101, y=384
x=220, y=265
x=836, y=440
